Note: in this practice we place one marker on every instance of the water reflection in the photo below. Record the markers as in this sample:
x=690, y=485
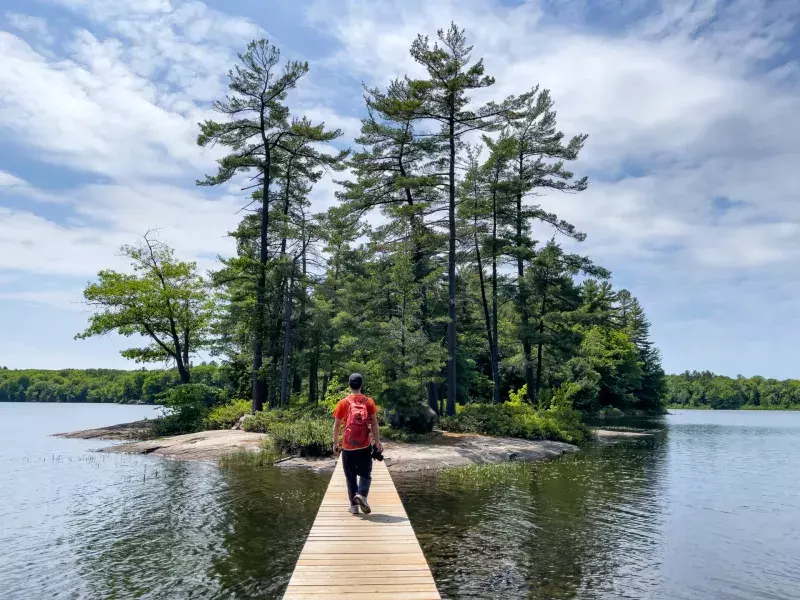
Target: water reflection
x=585, y=525
x=195, y=531
x=266, y=518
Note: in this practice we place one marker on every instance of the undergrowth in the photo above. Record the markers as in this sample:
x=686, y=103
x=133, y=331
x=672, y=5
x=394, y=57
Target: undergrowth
x=265, y=456
x=227, y=415
x=519, y=421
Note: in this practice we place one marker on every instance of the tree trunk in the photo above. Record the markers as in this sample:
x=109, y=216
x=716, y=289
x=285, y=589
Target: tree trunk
x=261, y=285
x=540, y=342
x=523, y=306
x=452, y=381
x=271, y=396
x=287, y=341
x=433, y=401
x=183, y=372
x=325, y=380
x=297, y=379
x=186, y=348
x=281, y=298
x=297, y=383
x=495, y=348
x=313, y=379
x=487, y=319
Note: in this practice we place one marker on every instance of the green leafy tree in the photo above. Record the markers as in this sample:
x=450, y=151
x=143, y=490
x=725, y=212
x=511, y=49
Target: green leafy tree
x=164, y=299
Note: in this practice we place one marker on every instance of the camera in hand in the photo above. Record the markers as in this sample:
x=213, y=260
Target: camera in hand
x=376, y=455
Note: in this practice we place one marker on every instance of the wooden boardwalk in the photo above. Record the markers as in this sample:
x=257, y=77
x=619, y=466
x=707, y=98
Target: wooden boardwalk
x=369, y=557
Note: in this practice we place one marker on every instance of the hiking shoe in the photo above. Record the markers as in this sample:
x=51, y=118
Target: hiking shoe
x=354, y=509
x=362, y=502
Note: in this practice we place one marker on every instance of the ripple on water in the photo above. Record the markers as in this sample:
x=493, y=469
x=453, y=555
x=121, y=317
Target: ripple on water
x=708, y=509
x=700, y=511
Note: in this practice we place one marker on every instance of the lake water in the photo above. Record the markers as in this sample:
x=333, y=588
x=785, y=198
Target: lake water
x=707, y=508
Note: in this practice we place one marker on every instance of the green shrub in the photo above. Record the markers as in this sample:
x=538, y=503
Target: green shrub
x=306, y=436
x=518, y=420
x=332, y=398
x=261, y=421
x=186, y=408
x=226, y=416
x=305, y=432
x=518, y=397
x=266, y=456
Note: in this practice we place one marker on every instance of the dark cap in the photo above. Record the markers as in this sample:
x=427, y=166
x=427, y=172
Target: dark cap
x=356, y=381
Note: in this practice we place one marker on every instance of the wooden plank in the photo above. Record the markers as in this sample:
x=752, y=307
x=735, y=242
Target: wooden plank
x=375, y=557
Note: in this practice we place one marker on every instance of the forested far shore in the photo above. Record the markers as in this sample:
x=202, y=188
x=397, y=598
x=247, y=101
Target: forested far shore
x=695, y=389
x=143, y=386
x=704, y=389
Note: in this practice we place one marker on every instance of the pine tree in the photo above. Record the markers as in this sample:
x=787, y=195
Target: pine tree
x=442, y=98
x=393, y=174
x=258, y=127
x=538, y=162
x=555, y=300
x=636, y=325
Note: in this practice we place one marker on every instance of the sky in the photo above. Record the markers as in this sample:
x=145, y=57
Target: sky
x=692, y=110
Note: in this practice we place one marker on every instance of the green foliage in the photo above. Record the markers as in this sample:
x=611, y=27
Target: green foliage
x=187, y=407
x=227, y=415
x=332, y=398
x=706, y=390
x=90, y=385
x=303, y=431
x=164, y=299
x=306, y=436
x=401, y=435
x=265, y=456
x=518, y=397
x=104, y=385
x=518, y=420
x=261, y=421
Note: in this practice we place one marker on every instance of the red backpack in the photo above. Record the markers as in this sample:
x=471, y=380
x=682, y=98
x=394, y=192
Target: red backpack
x=356, y=428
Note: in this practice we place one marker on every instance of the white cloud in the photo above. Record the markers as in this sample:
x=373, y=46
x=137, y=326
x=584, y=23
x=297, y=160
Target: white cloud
x=109, y=216
x=133, y=101
x=7, y=180
x=105, y=121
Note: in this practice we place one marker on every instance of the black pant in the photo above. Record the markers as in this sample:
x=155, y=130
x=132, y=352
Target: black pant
x=357, y=471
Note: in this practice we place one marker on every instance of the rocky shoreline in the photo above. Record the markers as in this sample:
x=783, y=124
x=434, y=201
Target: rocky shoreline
x=440, y=451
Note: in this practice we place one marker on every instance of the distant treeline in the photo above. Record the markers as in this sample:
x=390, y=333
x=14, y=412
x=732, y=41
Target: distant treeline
x=99, y=385
x=707, y=390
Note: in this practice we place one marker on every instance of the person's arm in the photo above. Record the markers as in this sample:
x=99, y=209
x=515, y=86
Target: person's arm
x=376, y=432
x=337, y=426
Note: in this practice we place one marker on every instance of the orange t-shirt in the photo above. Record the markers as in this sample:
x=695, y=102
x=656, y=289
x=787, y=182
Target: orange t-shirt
x=343, y=408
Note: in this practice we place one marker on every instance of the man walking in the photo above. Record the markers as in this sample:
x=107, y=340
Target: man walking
x=359, y=415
